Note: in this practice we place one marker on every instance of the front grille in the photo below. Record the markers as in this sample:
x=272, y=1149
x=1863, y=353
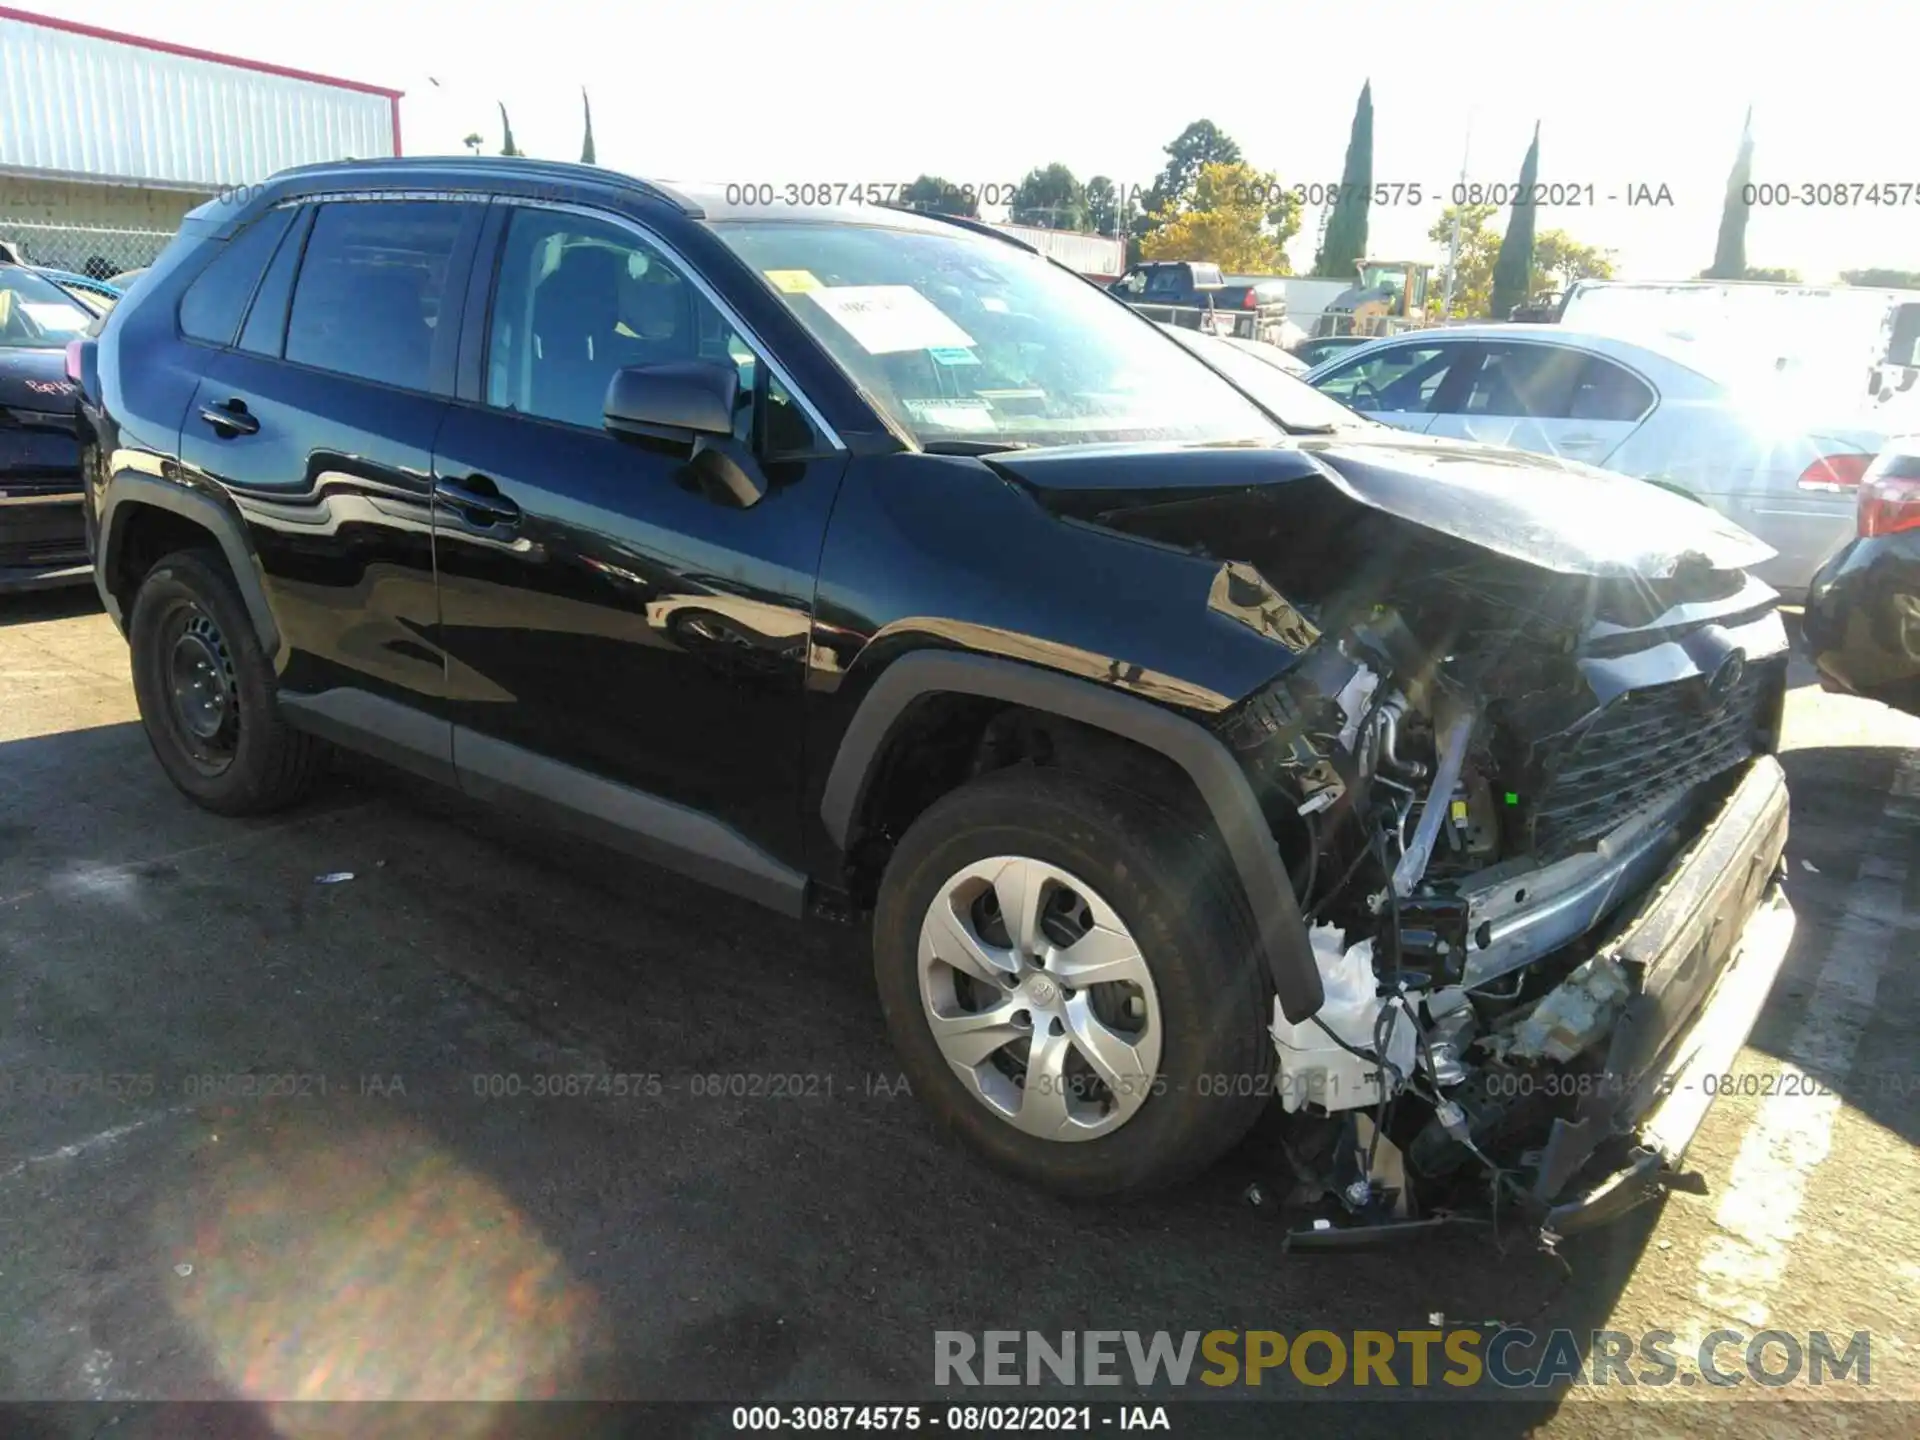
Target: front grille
x=1645, y=747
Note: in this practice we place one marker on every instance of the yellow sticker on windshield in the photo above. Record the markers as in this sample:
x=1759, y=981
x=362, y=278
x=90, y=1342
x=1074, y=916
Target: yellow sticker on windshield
x=794, y=282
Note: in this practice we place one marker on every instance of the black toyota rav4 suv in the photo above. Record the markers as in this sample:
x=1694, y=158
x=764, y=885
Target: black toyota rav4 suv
x=1191, y=746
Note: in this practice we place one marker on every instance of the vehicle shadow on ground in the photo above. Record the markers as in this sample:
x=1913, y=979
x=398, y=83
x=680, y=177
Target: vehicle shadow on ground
x=36, y=606
x=736, y=1246
x=1851, y=840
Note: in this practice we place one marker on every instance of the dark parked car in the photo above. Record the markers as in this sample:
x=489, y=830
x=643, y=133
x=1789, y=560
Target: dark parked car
x=42, y=542
x=1182, y=756
x=1863, y=610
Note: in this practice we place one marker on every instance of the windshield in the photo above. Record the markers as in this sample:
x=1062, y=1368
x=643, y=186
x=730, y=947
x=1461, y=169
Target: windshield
x=35, y=313
x=964, y=340
x=1293, y=402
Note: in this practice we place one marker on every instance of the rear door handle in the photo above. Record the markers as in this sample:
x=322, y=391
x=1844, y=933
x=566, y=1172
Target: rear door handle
x=230, y=418
x=478, y=506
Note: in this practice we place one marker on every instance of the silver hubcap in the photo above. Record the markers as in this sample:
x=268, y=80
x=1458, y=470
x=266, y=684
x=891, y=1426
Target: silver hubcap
x=1039, y=998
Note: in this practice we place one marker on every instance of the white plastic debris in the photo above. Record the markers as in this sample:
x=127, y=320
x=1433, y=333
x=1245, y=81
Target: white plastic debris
x=1573, y=1016
x=333, y=877
x=1810, y=867
x=183, y=1269
x=1437, y=1318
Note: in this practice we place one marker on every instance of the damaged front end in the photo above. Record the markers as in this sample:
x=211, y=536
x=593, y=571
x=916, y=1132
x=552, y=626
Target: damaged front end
x=1535, y=827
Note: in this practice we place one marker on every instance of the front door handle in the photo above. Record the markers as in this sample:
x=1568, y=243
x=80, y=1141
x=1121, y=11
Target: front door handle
x=479, y=506
x=229, y=418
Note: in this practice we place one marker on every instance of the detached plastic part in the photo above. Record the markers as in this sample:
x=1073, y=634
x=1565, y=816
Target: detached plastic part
x=1576, y=1014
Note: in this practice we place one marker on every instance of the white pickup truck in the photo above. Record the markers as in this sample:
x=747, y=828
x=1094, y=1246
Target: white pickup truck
x=1843, y=339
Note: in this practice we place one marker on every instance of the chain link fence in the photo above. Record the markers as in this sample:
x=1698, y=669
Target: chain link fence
x=94, y=251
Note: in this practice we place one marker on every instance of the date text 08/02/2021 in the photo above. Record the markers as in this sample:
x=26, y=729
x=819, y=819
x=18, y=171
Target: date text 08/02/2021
x=954, y=1419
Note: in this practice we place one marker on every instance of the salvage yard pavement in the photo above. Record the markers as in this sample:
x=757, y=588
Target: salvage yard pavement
x=492, y=1113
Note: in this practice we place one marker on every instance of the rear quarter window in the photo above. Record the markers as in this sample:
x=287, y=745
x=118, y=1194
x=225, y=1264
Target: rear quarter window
x=215, y=303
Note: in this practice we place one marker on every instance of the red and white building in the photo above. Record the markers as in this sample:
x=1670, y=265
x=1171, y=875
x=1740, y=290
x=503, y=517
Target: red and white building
x=107, y=139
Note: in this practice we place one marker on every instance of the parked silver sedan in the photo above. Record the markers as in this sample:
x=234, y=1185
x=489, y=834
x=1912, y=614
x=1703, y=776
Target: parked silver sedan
x=1754, y=446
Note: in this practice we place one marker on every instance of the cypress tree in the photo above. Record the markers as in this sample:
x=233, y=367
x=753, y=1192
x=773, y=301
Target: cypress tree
x=1730, y=251
x=1345, y=242
x=1513, y=269
x=586, y=145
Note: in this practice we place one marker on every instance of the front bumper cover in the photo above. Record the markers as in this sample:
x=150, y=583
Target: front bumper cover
x=1707, y=945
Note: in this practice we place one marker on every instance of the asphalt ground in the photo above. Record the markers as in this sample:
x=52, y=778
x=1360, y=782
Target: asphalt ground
x=504, y=1116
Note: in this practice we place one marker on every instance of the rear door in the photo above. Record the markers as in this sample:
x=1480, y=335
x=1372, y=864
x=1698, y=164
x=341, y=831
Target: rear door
x=615, y=633
x=320, y=424
x=1395, y=383
x=1545, y=398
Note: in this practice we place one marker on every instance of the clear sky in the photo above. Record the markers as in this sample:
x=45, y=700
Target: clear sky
x=1627, y=93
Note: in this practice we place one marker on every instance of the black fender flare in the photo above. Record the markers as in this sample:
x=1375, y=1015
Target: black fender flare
x=127, y=492
x=1221, y=783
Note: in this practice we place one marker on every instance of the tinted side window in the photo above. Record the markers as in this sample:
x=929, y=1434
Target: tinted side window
x=580, y=298
x=370, y=289
x=266, y=328
x=1533, y=380
x=1607, y=392
x=213, y=305
x=1402, y=378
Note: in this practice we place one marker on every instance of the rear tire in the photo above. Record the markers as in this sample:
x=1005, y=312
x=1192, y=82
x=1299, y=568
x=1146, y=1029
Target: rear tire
x=206, y=692
x=1191, y=1014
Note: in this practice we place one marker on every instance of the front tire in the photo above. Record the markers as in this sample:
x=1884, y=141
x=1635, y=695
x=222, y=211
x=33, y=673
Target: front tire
x=205, y=692
x=1070, y=976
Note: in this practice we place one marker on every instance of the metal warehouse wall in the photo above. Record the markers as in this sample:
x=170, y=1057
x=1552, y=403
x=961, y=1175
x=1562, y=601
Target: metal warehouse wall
x=87, y=106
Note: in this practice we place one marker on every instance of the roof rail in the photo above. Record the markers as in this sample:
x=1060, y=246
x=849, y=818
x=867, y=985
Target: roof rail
x=508, y=165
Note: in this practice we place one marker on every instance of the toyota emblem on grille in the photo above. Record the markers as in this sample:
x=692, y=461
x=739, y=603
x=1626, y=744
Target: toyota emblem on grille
x=1727, y=677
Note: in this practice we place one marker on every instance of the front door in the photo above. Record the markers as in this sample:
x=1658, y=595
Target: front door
x=600, y=611
x=1392, y=383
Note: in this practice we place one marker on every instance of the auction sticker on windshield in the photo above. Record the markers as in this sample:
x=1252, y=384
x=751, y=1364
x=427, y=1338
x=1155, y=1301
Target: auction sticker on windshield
x=954, y=414
x=794, y=282
x=886, y=319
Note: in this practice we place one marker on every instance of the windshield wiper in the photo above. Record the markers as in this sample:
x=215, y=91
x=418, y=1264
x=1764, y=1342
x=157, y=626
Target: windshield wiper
x=1293, y=429
x=973, y=447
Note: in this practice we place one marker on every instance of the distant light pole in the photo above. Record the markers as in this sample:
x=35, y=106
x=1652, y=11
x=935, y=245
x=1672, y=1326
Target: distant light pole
x=1453, y=247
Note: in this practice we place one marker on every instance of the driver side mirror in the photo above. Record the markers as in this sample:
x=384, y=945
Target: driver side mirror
x=689, y=402
x=678, y=401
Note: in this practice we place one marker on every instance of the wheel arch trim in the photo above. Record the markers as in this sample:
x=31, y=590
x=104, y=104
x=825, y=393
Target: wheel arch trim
x=1221, y=783
x=127, y=493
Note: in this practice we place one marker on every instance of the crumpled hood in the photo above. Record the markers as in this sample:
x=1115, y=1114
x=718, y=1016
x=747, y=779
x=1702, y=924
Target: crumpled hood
x=1560, y=515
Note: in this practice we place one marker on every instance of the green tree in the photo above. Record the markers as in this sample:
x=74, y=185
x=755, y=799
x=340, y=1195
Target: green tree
x=1473, y=270
x=586, y=142
x=1346, y=238
x=1225, y=219
x=1103, y=206
x=1778, y=275
x=1051, y=198
x=1559, y=260
x=1730, y=250
x=1879, y=278
x=941, y=197
x=1513, y=270
x=1201, y=143
x=474, y=141
x=507, y=147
